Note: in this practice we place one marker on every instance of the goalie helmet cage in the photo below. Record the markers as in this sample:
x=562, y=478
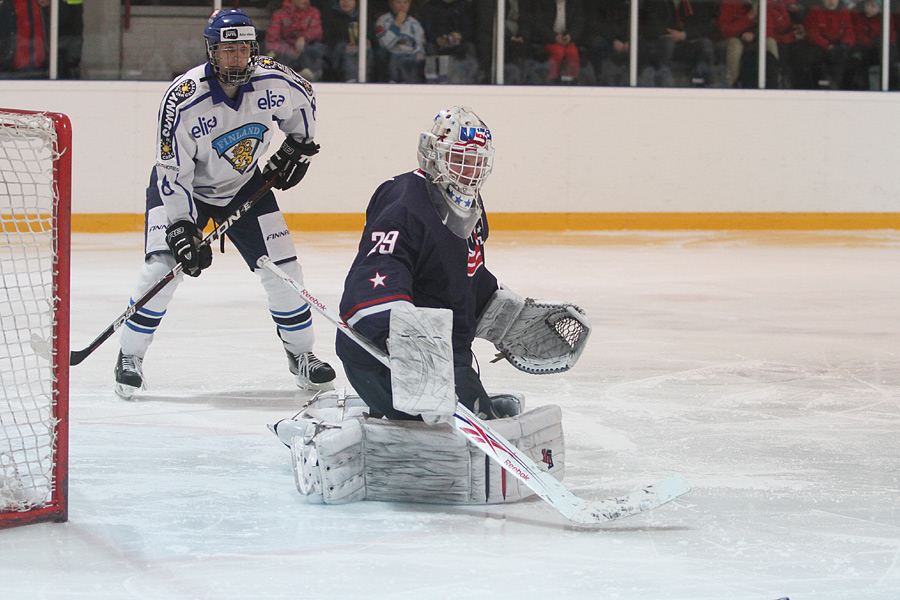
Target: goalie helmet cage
x=35, y=185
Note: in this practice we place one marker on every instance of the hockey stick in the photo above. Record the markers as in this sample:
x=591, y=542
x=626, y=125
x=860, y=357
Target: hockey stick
x=76, y=356
x=579, y=510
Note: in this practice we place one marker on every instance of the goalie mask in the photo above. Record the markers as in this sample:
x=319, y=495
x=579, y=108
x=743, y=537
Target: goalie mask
x=231, y=46
x=457, y=155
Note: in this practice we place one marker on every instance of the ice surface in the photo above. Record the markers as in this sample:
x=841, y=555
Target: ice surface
x=764, y=366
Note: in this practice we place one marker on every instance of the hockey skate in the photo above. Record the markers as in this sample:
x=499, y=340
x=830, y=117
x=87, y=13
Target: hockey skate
x=129, y=376
x=311, y=372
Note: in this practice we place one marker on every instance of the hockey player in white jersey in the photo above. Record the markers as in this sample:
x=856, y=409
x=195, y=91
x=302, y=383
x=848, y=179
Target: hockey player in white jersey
x=215, y=122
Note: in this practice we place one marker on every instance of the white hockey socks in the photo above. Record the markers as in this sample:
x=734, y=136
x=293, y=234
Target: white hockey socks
x=138, y=331
x=292, y=315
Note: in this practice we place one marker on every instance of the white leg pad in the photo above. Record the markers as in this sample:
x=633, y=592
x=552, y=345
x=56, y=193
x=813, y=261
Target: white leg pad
x=341, y=457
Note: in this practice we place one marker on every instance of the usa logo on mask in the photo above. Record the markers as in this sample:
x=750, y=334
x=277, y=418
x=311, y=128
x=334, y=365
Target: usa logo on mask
x=477, y=135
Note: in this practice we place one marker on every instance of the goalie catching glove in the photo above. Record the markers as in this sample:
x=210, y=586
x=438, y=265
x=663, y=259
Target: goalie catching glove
x=183, y=239
x=535, y=336
x=290, y=162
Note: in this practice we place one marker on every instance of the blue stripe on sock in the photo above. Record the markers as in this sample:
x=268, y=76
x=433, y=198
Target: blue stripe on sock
x=134, y=327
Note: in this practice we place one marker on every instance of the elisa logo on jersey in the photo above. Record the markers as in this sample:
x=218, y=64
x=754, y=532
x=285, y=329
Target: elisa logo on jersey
x=203, y=127
x=270, y=101
x=239, y=146
x=477, y=135
x=177, y=95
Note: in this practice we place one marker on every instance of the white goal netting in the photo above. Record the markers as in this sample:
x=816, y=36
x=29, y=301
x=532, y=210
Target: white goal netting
x=29, y=261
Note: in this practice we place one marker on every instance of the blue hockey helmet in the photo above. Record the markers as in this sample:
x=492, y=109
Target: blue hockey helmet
x=231, y=46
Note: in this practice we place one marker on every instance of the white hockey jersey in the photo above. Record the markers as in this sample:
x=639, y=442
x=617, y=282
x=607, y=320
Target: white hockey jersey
x=208, y=145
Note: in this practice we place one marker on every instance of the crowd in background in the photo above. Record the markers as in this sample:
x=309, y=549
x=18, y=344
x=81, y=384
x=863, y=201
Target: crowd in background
x=810, y=44
x=25, y=35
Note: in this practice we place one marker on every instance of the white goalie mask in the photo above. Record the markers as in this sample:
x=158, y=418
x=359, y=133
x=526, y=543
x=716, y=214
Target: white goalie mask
x=457, y=155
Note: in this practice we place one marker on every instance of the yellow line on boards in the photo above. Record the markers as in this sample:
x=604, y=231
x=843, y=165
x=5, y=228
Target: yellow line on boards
x=117, y=223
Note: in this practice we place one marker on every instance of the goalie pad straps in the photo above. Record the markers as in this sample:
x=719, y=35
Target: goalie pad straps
x=421, y=355
x=535, y=336
x=339, y=461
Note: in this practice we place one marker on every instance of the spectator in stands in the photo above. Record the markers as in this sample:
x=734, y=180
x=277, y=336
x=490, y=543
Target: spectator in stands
x=294, y=38
x=557, y=26
x=71, y=29
x=606, y=39
x=738, y=24
x=400, y=56
x=823, y=56
x=341, y=36
x=449, y=41
x=867, y=26
x=675, y=31
x=520, y=55
x=485, y=15
x=23, y=48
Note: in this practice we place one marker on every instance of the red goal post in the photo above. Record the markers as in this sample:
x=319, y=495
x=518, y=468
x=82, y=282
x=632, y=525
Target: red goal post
x=35, y=194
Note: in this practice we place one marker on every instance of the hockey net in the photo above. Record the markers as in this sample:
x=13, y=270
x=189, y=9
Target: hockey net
x=35, y=176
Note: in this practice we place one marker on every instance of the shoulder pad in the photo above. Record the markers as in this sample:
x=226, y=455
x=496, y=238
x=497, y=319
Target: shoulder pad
x=272, y=65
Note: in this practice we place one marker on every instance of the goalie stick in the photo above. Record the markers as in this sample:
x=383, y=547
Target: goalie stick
x=77, y=356
x=516, y=462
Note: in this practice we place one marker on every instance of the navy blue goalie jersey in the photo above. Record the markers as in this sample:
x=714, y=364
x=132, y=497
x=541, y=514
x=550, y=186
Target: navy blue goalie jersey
x=407, y=254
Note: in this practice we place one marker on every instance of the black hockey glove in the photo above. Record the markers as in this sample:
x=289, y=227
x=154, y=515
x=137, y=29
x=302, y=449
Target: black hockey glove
x=291, y=162
x=183, y=239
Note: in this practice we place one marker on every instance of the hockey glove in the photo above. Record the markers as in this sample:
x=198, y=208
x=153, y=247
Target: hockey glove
x=290, y=162
x=183, y=239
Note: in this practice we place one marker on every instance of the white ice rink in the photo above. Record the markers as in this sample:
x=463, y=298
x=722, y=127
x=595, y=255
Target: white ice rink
x=764, y=366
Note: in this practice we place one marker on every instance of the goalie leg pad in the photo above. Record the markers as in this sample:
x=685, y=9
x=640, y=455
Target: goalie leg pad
x=409, y=461
x=539, y=434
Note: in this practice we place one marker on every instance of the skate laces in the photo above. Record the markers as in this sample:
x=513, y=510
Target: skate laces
x=308, y=362
x=131, y=363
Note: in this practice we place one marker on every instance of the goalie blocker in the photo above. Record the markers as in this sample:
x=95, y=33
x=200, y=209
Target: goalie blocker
x=339, y=455
x=535, y=336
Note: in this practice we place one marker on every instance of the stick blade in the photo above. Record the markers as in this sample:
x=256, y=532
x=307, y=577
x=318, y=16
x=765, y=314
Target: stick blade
x=638, y=501
x=76, y=356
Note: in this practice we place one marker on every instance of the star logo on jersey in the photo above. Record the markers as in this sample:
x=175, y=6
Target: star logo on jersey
x=239, y=146
x=378, y=280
